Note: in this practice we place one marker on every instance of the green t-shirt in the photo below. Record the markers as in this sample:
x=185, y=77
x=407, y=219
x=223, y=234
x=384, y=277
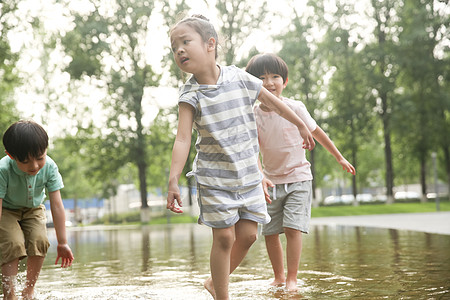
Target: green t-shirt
x=18, y=189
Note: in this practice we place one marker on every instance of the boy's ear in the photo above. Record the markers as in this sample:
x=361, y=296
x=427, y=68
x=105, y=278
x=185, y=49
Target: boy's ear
x=285, y=83
x=212, y=44
x=10, y=156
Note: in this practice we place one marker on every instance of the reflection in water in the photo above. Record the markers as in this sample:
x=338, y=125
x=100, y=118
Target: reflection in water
x=171, y=262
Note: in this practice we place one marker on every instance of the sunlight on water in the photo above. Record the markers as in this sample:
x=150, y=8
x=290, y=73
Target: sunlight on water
x=172, y=262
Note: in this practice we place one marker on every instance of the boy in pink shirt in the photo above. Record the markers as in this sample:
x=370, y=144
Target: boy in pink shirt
x=287, y=172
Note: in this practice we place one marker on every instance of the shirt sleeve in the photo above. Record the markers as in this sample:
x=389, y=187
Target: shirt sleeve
x=54, y=180
x=300, y=109
x=252, y=83
x=3, y=183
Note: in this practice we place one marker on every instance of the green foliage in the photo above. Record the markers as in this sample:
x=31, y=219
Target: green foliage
x=160, y=147
x=69, y=153
x=9, y=78
x=237, y=19
x=420, y=115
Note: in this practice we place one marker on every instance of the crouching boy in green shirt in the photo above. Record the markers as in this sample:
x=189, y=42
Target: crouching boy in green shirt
x=24, y=174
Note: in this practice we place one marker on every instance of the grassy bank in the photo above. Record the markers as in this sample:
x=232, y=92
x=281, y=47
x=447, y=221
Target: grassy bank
x=372, y=209
x=323, y=211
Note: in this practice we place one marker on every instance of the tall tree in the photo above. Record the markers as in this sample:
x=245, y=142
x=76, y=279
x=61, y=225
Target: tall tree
x=108, y=43
x=349, y=111
x=424, y=30
x=383, y=66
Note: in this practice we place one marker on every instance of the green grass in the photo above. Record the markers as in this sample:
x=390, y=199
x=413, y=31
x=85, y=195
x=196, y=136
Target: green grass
x=372, y=209
x=174, y=219
x=323, y=211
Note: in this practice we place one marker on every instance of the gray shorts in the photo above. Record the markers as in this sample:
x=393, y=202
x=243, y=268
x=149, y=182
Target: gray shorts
x=290, y=207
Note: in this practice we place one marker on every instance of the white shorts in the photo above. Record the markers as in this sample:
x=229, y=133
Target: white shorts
x=223, y=209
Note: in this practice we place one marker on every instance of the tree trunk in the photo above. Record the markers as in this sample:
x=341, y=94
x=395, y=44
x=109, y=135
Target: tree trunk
x=423, y=178
x=447, y=163
x=387, y=151
x=145, y=210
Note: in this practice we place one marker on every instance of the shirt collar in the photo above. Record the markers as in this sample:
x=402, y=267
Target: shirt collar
x=192, y=85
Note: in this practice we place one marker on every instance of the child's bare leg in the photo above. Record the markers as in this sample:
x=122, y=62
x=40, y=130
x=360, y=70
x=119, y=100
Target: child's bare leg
x=9, y=275
x=275, y=252
x=293, y=253
x=245, y=233
x=34, y=266
x=223, y=240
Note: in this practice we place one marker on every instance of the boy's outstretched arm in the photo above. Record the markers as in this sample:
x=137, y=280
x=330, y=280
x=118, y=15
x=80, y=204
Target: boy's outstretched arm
x=180, y=154
x=325, y=141
x=278, y=106
x=59, y=219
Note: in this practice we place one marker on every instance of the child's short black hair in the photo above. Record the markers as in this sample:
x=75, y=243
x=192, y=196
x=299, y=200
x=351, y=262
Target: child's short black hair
x=267, y=63
x=25, y=139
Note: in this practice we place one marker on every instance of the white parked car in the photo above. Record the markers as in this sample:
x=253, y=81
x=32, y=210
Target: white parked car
x=407, y=195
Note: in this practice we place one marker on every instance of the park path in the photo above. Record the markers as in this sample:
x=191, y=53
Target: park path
x=430, y=222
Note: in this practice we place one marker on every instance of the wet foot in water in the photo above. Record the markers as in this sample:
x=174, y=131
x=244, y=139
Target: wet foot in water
x=291, y=286
x=277, y=282
x=209, y=286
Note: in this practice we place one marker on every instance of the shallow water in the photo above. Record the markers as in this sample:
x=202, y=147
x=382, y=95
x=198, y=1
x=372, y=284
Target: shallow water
x=171, y=262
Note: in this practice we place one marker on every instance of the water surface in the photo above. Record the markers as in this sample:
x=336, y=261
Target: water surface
x=171, y=262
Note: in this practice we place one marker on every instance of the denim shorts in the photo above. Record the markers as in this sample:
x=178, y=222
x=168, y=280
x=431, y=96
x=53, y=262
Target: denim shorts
x=23, y=232
x=290, y=207
x=223, y=208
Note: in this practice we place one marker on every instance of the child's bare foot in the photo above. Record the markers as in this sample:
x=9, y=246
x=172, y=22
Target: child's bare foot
x=277, y=282
x=209, y=286
x=28, y=293
x=9, y=283
x=291, y=285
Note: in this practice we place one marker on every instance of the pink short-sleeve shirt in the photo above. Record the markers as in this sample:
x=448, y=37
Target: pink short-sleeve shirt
x=280, y=144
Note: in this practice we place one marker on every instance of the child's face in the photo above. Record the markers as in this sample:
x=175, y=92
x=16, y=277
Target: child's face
x=273, y=83
x=32, y=165
x=188, y=48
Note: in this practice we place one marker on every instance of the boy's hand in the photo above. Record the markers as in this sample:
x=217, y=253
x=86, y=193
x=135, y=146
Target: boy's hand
x=308, y=140
x=174, y=202
x=347, y=166
x=65, y=254
x=266, y=183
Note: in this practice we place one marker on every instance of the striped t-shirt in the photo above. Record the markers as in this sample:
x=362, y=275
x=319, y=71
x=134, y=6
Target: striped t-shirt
x=227, y=143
